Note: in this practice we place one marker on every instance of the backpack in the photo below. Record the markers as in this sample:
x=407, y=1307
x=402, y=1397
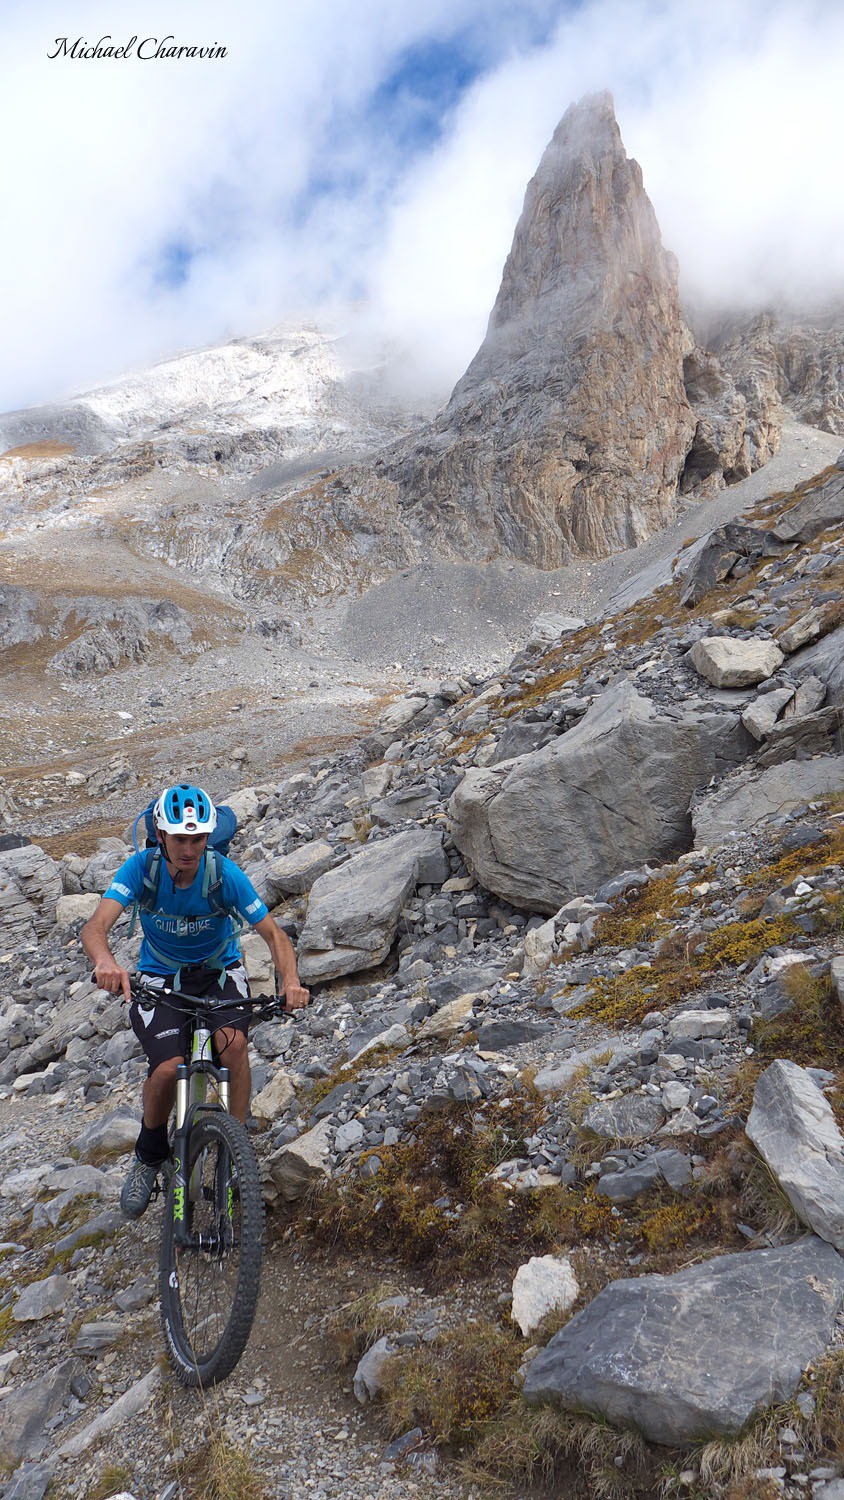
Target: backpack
x=212, y=877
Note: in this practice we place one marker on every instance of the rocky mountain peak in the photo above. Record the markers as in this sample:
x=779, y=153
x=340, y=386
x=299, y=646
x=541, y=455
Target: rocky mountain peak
x=569, y=431
x=587, y=227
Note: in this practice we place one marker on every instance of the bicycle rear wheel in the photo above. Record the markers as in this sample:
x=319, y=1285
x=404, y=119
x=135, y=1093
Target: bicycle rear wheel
x=208, y=1289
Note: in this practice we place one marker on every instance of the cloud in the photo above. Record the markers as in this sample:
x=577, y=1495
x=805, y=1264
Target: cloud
x=375, y=156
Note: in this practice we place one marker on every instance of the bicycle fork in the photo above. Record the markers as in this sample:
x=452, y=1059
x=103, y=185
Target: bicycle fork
x=191, y=1097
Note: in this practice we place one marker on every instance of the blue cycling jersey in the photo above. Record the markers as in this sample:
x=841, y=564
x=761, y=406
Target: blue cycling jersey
x=183, y=929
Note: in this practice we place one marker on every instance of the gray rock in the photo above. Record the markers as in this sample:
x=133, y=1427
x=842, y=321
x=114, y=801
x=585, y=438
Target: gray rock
x=468, y=979
x=25, y=1413
x=546, y=629
x=369, y=1375
x=724, y=548
x=102, y=1226
x=730, y=663
x=612, y=793
x=824, y=660
x=498, y=1036
x=522, y=739
x=291, y=874
x=836, y=970
x=42, y=1299
x=72, y=911
x=556, y=1077
x=633, y=1117
x=626, y=1186
x=354, y=911
x=749, y=796
x=545, y=1283
x=296, y=1166
x=30, y=887
x=348, y=1135
x=696, y=1024
x=794, y=1130
x=138, y=1398
x=30, y=1482
x=761, y=715
x=115, y=1134
x=92, y=1337
x=811, y=515
x=696, y=1354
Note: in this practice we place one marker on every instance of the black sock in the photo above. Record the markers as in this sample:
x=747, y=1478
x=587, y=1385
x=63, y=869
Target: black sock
x=151, y=1145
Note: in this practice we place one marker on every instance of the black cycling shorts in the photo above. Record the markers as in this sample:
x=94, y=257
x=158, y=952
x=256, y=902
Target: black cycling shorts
x=162, y=1029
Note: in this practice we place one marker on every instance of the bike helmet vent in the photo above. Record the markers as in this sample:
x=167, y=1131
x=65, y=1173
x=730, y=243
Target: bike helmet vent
x=185, y=809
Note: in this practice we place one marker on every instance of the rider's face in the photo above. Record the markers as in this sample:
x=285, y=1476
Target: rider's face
x=185, y=850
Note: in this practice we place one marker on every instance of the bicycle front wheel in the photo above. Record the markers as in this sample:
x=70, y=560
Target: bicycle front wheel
x=208, y=1288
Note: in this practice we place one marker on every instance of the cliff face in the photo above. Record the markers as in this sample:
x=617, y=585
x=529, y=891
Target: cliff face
x=569, y=431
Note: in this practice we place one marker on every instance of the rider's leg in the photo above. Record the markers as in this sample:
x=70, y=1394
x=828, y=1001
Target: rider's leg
x=160, y=1093
x=231, y=1048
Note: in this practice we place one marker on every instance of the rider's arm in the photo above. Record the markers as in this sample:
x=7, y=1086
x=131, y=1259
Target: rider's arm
x=94, y=935
x=284, y=959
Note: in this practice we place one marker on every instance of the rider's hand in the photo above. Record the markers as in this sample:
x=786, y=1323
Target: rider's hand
x=111, y=977
x=295, y=997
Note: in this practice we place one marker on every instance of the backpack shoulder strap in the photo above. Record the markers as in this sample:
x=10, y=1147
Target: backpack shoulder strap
x=149, y=895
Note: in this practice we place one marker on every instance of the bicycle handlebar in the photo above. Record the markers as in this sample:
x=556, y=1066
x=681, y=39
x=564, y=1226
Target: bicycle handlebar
x=264, y=1007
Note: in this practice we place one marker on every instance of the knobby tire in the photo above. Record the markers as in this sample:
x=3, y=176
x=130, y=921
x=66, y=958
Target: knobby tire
x=209, y=1295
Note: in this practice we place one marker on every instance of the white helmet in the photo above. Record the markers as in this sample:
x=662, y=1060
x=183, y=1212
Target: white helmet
x=185, y=809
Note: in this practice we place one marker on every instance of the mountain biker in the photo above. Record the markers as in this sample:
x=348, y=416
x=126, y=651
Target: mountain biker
x=189, y=946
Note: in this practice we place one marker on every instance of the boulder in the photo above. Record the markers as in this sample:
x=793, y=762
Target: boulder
x=793, y=1128
x=802, y=739
x=750, y=795
x=25, y=1413
x=449, y=1019
x=819, y=508
x=112, y=1136
x=72, y=911
x=539, y=949
x=611, y=794
x=633, y=1117
x=353, y=911
x=837, y=976
x=295, y=1167
x=401, y=713
x=42, y=1299
x=544, y=1284
x=730, y=663
x=825, y=659
x=294, y=873
x=369, y=1375
x=694, y=1355
x=258, y=963
x=546, y=629
x=761, y=715
x=697, y=1024
x=30, y=887
x=719, y=554
x=273, y=1098
x=51, y=1043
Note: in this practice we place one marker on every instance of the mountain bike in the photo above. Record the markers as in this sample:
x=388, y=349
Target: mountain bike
x=212, y=1236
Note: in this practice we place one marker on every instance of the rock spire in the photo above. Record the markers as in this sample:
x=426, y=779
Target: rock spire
x=569, y=430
